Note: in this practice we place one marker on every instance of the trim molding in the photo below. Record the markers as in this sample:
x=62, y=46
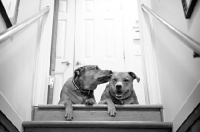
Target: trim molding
x=7, y=124
x=192, y=118
x=53, y=51
x=10, y=112
x=191, y=102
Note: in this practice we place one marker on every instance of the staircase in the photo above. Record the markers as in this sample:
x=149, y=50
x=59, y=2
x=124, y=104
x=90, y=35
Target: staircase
x=134, y=118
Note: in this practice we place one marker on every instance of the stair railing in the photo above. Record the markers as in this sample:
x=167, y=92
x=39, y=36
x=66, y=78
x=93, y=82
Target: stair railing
x=16, y=28
x=187, y=40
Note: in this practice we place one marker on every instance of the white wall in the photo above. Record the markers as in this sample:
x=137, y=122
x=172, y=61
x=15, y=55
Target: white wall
x=178, y=71
x=17, y=63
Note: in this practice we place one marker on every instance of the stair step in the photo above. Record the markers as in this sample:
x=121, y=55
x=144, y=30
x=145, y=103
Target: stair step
x=99, y=113
x=97, y=126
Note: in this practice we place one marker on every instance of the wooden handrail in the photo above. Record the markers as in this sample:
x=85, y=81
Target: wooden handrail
x=191, y=43
x=16, y=28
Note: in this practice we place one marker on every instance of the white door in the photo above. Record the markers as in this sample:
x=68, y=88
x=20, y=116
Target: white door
x=99, y=36
x=92, y=32
x=65, y=46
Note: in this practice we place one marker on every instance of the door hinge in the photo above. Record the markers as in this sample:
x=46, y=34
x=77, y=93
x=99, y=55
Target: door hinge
x=124, y=55
x=51, y=81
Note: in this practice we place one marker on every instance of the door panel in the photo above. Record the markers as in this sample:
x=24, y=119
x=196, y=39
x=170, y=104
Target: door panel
x=65, y=46
x=98, y=38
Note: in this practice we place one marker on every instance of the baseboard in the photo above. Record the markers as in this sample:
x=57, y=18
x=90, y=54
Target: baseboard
x=10, y=112
x=5, y=124
x=190, y=104
x=192, y=123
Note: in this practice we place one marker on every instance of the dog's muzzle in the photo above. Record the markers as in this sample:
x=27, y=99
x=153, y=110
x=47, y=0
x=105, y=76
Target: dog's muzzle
x=118, y=86
x=106, y=77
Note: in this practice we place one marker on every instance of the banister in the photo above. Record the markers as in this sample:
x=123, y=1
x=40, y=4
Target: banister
x=191, y=43
x=16, y=28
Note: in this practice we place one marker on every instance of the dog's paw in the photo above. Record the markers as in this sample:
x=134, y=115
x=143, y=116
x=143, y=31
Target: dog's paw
x=68, y=115
x=111, y=110
x=90, y=102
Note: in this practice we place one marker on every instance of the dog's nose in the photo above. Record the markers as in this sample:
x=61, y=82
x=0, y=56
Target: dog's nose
x=110, y=72
x=118, y=86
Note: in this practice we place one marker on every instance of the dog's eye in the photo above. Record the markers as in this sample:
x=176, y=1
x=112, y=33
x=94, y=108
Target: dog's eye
x=126, y=80
x=114, y=79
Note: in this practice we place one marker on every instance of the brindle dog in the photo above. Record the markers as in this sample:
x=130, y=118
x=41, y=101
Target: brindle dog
x=79, y=88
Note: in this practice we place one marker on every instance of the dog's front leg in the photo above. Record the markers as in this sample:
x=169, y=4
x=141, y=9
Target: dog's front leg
x=68, y=110
x=111, y=108
x=110, y=105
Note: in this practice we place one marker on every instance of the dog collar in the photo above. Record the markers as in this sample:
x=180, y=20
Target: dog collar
x=80, y=89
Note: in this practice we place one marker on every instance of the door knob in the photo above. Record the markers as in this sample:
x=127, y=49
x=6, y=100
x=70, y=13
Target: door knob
x=67, y=63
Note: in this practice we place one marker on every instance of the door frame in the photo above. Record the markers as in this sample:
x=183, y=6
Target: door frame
x=152, y=96
x=53, y=51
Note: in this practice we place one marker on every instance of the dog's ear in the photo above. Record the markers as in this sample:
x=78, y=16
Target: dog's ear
x=111, y=73
x=134, y=76
x=79, y=71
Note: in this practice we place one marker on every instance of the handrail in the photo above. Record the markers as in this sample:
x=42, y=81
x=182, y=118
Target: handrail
x=16, y=28
x=193, y=44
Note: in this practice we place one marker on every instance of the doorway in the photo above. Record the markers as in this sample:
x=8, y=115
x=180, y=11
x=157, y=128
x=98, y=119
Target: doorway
x=101, y=32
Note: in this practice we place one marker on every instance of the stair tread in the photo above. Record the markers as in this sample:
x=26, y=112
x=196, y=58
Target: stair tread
x=98, y=124
x=99, y=106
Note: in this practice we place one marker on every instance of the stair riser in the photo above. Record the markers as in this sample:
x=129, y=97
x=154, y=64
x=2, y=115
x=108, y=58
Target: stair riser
x=98, y=114
x=96, y=126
